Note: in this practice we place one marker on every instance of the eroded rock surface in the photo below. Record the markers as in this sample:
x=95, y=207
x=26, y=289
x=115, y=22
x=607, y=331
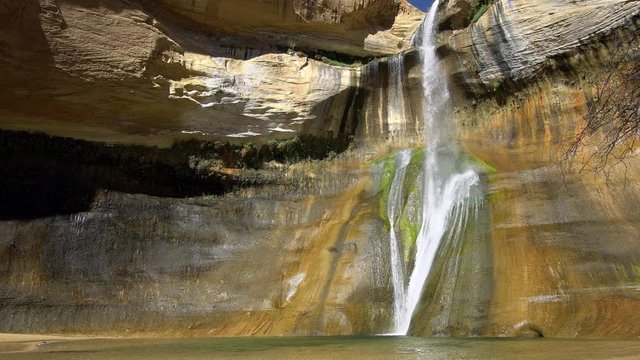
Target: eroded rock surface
x=553, y=253
x=514, y=40
x=144, y=254
x=563, y=245
x=111, y=71
x=370, y=27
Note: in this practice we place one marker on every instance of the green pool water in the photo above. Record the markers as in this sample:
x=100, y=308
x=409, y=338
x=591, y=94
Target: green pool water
x=342, y=348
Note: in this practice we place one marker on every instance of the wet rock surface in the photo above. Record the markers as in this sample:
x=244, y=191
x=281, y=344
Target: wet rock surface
x=290, y=255
x=563, y=244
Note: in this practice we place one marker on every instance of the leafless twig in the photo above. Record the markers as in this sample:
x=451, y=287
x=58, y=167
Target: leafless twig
x=611, y=126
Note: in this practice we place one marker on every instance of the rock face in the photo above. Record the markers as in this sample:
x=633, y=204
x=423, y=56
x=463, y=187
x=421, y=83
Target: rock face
x=562, y=246
x=289, y=258
x=515, y=40
x=302, y=250
x=277, y=94
x=455, y=14
x=135, y=246
x=389, y=101
x=110, y=71
x=139, y=249
x=370, y=27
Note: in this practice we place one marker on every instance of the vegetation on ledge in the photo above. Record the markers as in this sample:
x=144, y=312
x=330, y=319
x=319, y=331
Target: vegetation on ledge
x=44, y=175
x=332, y=58
x=481, y=8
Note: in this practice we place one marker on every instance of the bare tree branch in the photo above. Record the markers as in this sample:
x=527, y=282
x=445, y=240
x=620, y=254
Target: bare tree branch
x=611, y=125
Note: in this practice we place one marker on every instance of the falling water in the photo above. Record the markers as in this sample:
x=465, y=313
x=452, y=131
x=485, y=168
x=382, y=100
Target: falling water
x=394, y=209
x=396, y=117
x=450, y=186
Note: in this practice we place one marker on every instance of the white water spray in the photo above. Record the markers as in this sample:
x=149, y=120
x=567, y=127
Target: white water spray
x=448, y=186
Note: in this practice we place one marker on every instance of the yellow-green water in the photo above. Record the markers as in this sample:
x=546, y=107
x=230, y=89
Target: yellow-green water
x=308, y=348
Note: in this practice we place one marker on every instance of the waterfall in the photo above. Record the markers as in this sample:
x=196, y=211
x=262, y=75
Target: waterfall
x=451, y=187
x=394, y=209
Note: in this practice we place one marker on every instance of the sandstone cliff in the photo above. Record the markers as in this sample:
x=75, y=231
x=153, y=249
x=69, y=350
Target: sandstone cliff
x=370, y=27
x=146, y=247
x=563, y=244
x=135, y=239
x=146, y=255
x=515, y=40
x=120, y=71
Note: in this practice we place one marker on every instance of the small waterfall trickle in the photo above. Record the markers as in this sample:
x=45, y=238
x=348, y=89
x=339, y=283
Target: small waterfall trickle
x=451, y=189
x=396, y=113
x=385, y=113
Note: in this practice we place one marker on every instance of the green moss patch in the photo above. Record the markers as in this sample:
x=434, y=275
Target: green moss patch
x=481, y=164
x=388, y=172
x=409, y=220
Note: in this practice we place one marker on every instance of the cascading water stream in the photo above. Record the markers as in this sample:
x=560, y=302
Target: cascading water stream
x=394, y=209
x=449, y=186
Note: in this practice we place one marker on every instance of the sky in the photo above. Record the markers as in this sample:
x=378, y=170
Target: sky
x=423, y=5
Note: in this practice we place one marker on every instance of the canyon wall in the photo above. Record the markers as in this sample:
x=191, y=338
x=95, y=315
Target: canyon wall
x=162, y=199
x=563, y=244
x=369, y=27
x=289, y=257
x=222, y=235
x=135, y=72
